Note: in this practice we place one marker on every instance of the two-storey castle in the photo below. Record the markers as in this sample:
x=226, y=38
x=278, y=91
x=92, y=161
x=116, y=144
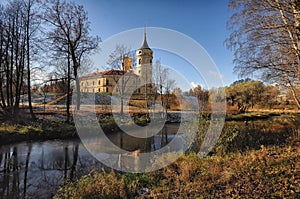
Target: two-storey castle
x=141, y=74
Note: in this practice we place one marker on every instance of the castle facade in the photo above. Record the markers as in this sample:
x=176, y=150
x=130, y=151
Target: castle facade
x=135, y=78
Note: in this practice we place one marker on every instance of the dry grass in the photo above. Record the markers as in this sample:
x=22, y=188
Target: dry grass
x=270, y=172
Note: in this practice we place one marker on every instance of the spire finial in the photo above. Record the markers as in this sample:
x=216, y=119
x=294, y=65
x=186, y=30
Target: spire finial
x=144, y=44
x=145, y=29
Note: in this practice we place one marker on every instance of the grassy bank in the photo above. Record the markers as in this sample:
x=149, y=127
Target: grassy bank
x=270, y=172
x=54, y=128
x=41, y=129
x=257, y=159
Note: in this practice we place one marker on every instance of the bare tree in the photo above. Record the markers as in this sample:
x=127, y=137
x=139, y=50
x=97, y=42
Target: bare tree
x=32, y=23
x=13, y=53
x=163, y=84
x=121, y=80
x=160, y=74
x=115, y=58
x=70, y=34
x=265, y=39
x=18, y=45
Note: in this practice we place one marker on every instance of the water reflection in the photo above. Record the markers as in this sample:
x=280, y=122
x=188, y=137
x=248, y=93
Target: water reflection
x=35, y=170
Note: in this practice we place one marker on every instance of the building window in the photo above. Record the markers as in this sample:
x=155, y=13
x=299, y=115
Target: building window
x=93, y=83
x=99, y=89
x=140, y=61
x=107, y=82
x=99, y=83
x=140, y=52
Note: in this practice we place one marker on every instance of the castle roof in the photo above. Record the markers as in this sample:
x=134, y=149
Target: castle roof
x=107, y=72
x=144, y=44
x=113, y=72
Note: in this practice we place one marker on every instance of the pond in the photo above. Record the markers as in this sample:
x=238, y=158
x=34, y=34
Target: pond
x=36, y=169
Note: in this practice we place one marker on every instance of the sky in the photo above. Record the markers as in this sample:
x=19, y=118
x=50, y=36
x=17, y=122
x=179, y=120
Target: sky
x=202, y=20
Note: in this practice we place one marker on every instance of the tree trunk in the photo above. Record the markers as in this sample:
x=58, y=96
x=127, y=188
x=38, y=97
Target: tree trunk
x=75, y=69
x=28, y=63
x=296, y=10
x=122, y=95
x=78, y=93
x=68, y=88
x=294, y=95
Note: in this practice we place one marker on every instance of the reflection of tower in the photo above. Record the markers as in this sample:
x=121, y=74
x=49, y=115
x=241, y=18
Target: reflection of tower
x=144, y=56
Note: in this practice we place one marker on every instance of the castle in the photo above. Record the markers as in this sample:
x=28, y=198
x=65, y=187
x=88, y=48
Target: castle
x=141, y=74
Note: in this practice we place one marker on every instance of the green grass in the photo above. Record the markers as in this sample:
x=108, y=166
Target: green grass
x=28, y=129
x=36, y=130
x=18, y=129
x=8, y=128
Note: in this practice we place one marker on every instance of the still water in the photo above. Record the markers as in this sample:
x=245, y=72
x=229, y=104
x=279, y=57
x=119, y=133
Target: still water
x=36, y=169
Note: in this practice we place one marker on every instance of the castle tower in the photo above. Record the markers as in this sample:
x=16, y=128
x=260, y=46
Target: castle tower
x=126, y=63
x=144, y=56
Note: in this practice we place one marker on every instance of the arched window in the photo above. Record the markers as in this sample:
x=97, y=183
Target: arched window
x=140, y=61
x=99, y=83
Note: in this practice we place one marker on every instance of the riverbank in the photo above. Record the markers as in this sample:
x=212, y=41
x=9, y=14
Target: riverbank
x=53, y=125
x=269, y=172
x=40, y=129
x=259, y=159
x=267, y=145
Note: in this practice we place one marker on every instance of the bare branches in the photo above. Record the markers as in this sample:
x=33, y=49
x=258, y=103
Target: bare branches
x=70, y=34
x=265, y=39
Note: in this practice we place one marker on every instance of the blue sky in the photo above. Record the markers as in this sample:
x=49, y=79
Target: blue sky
x=203, y=21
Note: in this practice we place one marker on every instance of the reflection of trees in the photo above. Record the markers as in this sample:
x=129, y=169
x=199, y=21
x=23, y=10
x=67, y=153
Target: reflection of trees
x=62, y=162
x=6, y=173
x=21, y=177
x=75, y=158
x=164, y=136
x=60, y=167
x=10, y=189
x=26, y=169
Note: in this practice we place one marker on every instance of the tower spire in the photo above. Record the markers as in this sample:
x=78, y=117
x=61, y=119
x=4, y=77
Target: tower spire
x=145, y=44
x=144, y=30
